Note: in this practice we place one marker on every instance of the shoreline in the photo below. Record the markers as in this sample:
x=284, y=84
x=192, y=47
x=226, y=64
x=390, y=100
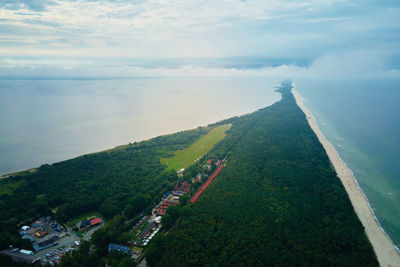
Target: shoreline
x=385, y=250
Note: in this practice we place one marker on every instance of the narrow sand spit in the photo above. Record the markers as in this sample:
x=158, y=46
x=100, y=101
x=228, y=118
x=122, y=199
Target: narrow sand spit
x=384, y=249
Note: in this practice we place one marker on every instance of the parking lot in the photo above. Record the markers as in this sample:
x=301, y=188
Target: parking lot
x=50, y=239
x=65, y=244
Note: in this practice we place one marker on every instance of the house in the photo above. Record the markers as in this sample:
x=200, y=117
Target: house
x=119, y=248
x=95, y=221
x=207, y=167
x=197, y=178
x=84, y=224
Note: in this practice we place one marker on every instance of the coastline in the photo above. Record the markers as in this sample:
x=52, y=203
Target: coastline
x=385, y=250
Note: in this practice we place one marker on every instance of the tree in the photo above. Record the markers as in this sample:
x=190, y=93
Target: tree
x=171, y=215
x=183, y=200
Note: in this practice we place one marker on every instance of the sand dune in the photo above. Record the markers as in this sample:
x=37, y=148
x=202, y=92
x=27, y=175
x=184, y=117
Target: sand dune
x=384, y=249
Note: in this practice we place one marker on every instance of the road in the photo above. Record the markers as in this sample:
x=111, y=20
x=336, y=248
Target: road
x=91, y=231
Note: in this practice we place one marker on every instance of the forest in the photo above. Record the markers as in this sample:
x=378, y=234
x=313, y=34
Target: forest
x=278, y=202
x=124, y=180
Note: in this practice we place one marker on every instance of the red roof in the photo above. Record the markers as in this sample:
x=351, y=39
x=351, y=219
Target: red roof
x=95, y=221
x=196, y=196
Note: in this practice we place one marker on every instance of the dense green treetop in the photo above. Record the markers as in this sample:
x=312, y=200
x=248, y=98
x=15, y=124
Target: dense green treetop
x=121, y=180
x=278, y=202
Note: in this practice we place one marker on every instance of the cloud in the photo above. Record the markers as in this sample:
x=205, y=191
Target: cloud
x=35, y=5
x=110, y=30
x=351, y=65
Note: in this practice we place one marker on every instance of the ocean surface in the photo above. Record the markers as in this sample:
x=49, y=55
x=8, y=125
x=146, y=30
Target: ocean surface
x=46, y=121
x=362, y=121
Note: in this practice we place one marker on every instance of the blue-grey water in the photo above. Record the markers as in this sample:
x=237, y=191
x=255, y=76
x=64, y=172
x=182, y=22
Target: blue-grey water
x=362, y=120
x=45, y=121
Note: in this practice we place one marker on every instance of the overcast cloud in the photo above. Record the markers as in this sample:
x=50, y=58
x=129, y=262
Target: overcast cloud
x=142, y=38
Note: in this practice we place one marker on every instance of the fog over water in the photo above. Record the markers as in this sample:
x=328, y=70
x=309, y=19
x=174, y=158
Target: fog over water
x=45, y=121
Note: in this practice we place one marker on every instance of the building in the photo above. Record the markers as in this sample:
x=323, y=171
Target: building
x=84, y=224
x=29, y=238
x=146, y=231
x=157, y=219
x=180, y=172
x=119, y=248
x=25, y=228
x=207, y=167
x=46, y=243
x=197, y=178
x=17, y=256
x=95, y=221
x=26, y=252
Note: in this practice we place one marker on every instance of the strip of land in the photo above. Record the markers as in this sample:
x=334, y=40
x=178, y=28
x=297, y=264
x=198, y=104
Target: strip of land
x=384, y=249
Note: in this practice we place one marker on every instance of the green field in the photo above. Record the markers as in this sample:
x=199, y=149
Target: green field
x=188, y=156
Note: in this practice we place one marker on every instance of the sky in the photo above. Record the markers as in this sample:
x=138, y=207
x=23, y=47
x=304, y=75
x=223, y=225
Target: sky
x=128, y=38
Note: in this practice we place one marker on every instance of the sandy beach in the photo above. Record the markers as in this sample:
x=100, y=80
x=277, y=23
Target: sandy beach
x=384, y=249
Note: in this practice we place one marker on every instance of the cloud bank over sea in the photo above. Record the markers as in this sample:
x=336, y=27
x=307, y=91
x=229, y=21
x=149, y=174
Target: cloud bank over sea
x=353, y=65
x=121, y=38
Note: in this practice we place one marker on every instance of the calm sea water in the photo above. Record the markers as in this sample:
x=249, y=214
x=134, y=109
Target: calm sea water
x=45, y=121
x=362, y=121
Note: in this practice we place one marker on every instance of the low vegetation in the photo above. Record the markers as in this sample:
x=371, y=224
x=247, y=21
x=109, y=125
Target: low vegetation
x=188, y=156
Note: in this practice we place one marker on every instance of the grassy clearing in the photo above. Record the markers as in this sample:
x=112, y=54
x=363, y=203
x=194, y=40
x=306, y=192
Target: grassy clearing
x=186, y=157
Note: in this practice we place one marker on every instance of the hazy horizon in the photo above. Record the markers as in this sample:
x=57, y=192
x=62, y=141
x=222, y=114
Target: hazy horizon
x=78, y=76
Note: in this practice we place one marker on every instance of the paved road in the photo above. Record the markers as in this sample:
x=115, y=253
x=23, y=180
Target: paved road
x=91, y=231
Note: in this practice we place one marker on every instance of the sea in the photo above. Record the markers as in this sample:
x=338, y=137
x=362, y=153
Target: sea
x=361, y=119
x=46, y=121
